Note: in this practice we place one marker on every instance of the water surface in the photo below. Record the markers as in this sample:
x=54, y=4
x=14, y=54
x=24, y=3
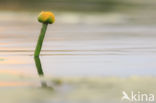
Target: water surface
x=82, y=61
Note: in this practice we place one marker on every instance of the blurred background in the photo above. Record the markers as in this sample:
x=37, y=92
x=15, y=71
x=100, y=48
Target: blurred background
x=95, y=50
x=132, y=11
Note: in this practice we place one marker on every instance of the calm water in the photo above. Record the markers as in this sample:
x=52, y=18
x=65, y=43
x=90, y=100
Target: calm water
x=93, y=61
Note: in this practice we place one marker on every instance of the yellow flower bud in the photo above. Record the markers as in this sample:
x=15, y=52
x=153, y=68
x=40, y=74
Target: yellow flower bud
x=46, y=17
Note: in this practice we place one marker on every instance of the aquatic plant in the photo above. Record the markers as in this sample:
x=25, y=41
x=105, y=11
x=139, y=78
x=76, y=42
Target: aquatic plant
x=38, y=66
x=45, y=17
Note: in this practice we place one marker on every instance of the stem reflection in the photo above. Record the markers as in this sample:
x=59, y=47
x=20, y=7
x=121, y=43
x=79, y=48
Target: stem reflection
x=40, y=71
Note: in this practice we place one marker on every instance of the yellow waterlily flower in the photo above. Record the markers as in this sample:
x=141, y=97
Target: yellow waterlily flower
x=46, y=17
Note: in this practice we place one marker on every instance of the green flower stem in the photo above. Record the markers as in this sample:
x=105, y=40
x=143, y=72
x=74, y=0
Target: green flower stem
x=38, y=66
x=40, y=39
x=40, y=71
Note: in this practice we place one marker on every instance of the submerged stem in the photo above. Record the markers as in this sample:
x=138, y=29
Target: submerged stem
x=38, y=66
x=40, y=71
x=40, y=39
